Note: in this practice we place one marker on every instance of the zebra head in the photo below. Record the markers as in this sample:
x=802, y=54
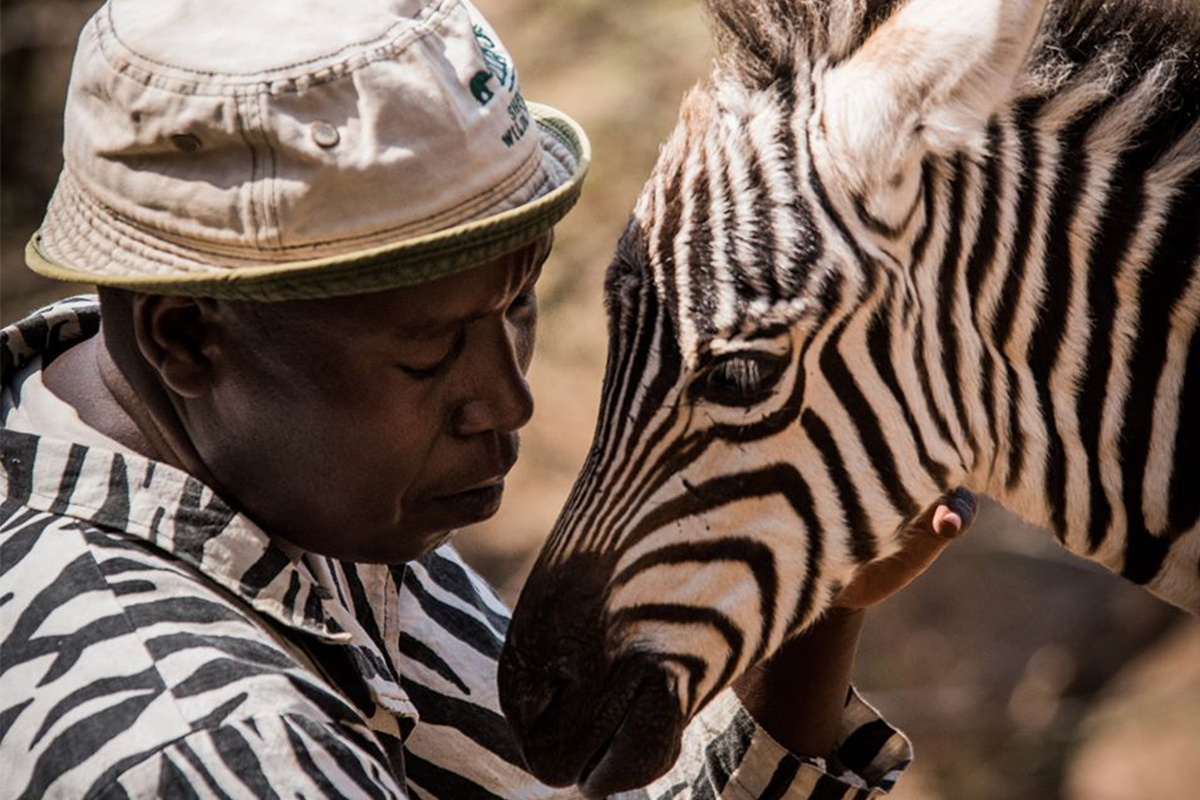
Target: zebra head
x=742, y=470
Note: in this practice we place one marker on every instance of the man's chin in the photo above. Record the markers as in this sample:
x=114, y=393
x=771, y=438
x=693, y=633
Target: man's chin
x=407, y=545
x=392, y=545
x=437, y=521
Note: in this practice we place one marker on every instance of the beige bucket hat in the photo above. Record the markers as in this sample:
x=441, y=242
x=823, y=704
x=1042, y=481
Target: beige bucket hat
x=272, y=150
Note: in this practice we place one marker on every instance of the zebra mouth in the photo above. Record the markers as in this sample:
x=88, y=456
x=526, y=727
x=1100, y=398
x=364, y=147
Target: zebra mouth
x=639, y=749
x=619, y=738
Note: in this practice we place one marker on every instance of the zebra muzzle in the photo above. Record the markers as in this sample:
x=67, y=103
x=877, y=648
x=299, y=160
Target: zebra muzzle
x=585, y=707
x=605, y=733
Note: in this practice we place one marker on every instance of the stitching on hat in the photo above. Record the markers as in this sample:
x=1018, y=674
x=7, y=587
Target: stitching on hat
x=445, y=259
x=272, y=187
x=108, y=223
x=262, y=213
x=477, y=203
x=148, y=260
x=432, y=261
x=275, y=193
x=427, y=21
x=113, y=229
x=191, y=250
x=163, y=256
x=469, y=207
x=522, y=173
x=371, y=274
x=474, y=204
x=252, y=188
x=554, y=138
x=123, y=248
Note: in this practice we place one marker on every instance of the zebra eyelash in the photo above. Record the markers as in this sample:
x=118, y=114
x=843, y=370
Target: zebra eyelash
x=740, y=379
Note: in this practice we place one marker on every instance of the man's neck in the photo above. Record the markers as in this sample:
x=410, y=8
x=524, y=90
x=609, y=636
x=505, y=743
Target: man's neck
x=88, y=379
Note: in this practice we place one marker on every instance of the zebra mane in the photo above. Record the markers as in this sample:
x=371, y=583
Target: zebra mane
x=729, y=258
x=762, y=42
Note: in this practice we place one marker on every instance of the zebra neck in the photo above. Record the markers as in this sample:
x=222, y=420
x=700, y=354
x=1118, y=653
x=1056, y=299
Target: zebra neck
x=1055, y=278
x=1000, y=330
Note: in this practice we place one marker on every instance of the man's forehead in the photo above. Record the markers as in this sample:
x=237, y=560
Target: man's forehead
x=452, y=301
x=425, y=309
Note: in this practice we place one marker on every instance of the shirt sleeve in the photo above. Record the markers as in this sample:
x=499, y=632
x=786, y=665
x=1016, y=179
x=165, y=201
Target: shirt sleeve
x=286, y=756
x=726, y=755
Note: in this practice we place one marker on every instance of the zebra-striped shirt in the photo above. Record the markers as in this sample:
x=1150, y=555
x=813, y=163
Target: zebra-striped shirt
x=157, y=643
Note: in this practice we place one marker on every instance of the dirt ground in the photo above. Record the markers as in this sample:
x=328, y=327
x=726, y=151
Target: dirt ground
x=1017, y=671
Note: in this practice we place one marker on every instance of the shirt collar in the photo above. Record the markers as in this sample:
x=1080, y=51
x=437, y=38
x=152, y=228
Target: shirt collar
x=147, y=499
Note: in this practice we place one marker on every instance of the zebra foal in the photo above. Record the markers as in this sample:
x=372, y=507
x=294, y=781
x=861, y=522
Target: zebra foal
x=890, y=248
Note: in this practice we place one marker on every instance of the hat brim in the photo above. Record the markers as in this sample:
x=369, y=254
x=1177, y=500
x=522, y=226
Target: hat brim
x=402, y=263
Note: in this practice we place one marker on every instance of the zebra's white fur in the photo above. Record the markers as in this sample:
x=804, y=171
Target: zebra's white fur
x=820, y=182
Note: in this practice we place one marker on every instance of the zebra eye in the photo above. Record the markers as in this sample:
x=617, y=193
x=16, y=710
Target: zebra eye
x=742, y=379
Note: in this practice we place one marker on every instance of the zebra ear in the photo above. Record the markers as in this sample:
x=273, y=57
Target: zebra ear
x=926, y=81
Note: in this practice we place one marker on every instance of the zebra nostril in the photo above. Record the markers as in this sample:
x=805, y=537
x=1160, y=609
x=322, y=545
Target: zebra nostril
x=537, y=701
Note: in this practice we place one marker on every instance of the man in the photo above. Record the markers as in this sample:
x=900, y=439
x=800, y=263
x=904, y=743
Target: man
x=316, y=228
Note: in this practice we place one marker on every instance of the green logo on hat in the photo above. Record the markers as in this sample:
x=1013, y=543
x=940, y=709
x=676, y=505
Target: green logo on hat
x=479, y=87
x=518, y=114
x=497, y=66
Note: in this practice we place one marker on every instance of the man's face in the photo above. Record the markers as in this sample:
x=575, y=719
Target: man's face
x=368, y=427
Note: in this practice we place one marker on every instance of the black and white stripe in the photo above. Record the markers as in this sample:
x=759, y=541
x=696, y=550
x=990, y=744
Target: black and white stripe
x=154, y=642
x=803, y=354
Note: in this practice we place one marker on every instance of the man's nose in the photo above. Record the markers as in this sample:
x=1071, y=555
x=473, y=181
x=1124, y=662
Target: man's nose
x=499, y=400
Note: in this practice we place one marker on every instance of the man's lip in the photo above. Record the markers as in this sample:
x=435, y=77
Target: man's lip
x=475, y=487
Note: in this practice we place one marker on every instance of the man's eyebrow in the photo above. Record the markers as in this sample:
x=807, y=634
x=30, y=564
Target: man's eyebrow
x=436, y=327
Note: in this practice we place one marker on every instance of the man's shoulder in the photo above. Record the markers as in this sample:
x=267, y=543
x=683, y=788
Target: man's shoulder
x=113, y=650
x=48, y=331
x=54, y=560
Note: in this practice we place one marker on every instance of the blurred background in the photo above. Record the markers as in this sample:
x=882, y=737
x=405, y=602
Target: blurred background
x=1017, y=671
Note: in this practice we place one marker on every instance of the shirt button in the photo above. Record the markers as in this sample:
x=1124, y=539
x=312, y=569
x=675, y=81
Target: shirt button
x=324, y=134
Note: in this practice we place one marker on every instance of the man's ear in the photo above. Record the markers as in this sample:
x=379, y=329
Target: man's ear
x=176, y=337
x=926, y=81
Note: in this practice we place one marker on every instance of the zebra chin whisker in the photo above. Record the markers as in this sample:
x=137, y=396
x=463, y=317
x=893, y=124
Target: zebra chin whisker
x=692, y=671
